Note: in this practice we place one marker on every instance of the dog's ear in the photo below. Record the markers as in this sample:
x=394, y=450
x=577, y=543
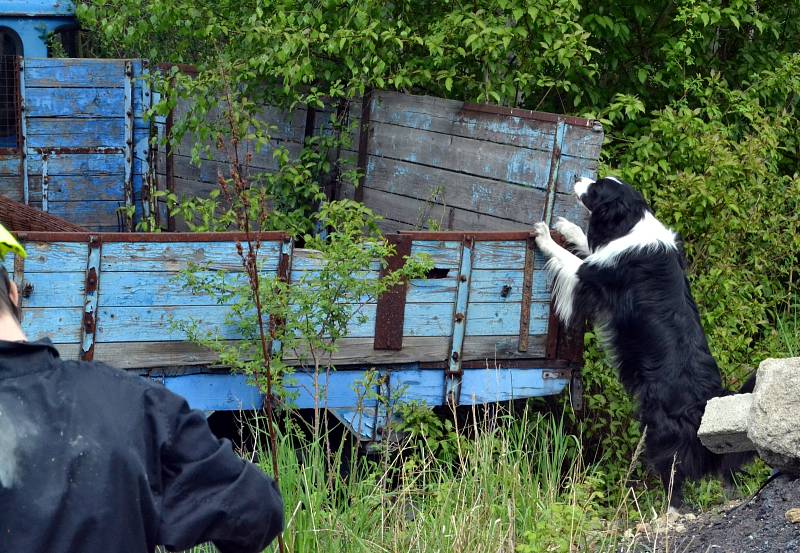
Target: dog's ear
x=613, y=212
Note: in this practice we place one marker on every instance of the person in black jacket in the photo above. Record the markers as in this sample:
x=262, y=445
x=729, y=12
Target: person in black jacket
x=94, y=460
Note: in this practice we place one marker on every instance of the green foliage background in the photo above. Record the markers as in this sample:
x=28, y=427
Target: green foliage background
x=699, y=101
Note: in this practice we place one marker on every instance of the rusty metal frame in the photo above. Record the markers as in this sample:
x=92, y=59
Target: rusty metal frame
x=552, y=180
x=461, y=235
x=284, y=273
x=527, y=292
x=89, y=322
x=45, y=184
x=23, y=134
x=391, y=308
x=158, y=237
x=148, y=172
x=128, y=184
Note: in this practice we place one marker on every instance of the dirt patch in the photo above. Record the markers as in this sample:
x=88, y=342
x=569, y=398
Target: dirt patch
x=755, y=525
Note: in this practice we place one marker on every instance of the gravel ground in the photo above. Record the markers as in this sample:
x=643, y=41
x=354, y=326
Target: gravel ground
x=756, y=525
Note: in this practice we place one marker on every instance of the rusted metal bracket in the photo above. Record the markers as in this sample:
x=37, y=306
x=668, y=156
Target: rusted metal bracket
x=284, y=275
x=552, y=181
x=363, y=144
x=454, y=372
x=527, y=285
x=148, y=172
x=45, y=184
x=23, y=133
x=128, y=143
x=92, y=283
x=391, y=308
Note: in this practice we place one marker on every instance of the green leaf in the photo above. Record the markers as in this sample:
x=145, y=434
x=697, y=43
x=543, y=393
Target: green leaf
x=642, y=74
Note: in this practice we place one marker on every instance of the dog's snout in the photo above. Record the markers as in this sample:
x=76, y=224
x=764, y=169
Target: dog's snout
x=582, y=185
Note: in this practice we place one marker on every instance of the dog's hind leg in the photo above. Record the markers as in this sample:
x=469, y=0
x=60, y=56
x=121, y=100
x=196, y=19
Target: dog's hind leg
x=564, y=266
x=573, y=234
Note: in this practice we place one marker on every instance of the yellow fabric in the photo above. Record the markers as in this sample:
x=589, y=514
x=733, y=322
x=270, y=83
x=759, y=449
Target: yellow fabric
x=9, y=244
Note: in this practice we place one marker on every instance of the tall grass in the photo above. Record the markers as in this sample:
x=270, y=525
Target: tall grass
x=517, y=485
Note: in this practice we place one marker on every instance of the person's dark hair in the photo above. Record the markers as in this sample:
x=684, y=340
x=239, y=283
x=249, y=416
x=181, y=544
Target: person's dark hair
x=6, y=305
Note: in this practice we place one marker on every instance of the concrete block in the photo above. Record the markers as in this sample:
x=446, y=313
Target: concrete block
x=774, y=423
x=724, y=425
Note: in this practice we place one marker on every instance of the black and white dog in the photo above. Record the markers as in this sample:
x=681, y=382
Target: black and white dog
x=628, y=280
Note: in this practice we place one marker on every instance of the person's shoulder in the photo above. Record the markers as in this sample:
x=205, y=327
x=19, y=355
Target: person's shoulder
x=98, y=373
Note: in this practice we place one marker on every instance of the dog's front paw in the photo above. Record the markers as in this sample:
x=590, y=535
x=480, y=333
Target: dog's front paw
x=543, y=238
x=541, y=230
x=567, y=228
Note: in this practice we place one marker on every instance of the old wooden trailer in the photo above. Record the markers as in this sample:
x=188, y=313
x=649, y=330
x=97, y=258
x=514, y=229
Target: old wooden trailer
x=479, y=330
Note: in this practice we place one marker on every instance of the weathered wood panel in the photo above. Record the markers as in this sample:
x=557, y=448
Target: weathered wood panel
x=102, y=213
x=450, y=189
x=75, y=102
x=79, y=165
x=448, y=117
x=49, y=132
x=73, y=73
x=490, y=160
x=177, y=256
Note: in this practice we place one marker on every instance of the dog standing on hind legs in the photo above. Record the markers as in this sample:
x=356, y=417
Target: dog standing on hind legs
x=627, y=278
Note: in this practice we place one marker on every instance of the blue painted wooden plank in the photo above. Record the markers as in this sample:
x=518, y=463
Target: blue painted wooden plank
x=502, y=319
x=61, y=324
x=153, y=324
x=362, y=421
x=444, y=255
x=79, y=73
x=439, y=290
x=337, y=390
x=410, y=384
x=60, y=289
x=153, y=289
x=215, y=392
x=54, y=257
x=49, y=132
x=75, y=102
x=421, y=319
x=11, y=187
x=508, y=254
x=89, y=214
x=177, y=256
x=9, y=166
x=77, y=188
x=480, y=386
x=487, y=286
x=83, y=165
x=345, y=391
x=310, y=260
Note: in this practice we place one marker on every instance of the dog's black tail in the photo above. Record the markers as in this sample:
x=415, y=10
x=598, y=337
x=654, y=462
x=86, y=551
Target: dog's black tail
x=749, y=385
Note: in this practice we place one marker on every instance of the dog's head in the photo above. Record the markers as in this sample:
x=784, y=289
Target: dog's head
x=615, y=208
